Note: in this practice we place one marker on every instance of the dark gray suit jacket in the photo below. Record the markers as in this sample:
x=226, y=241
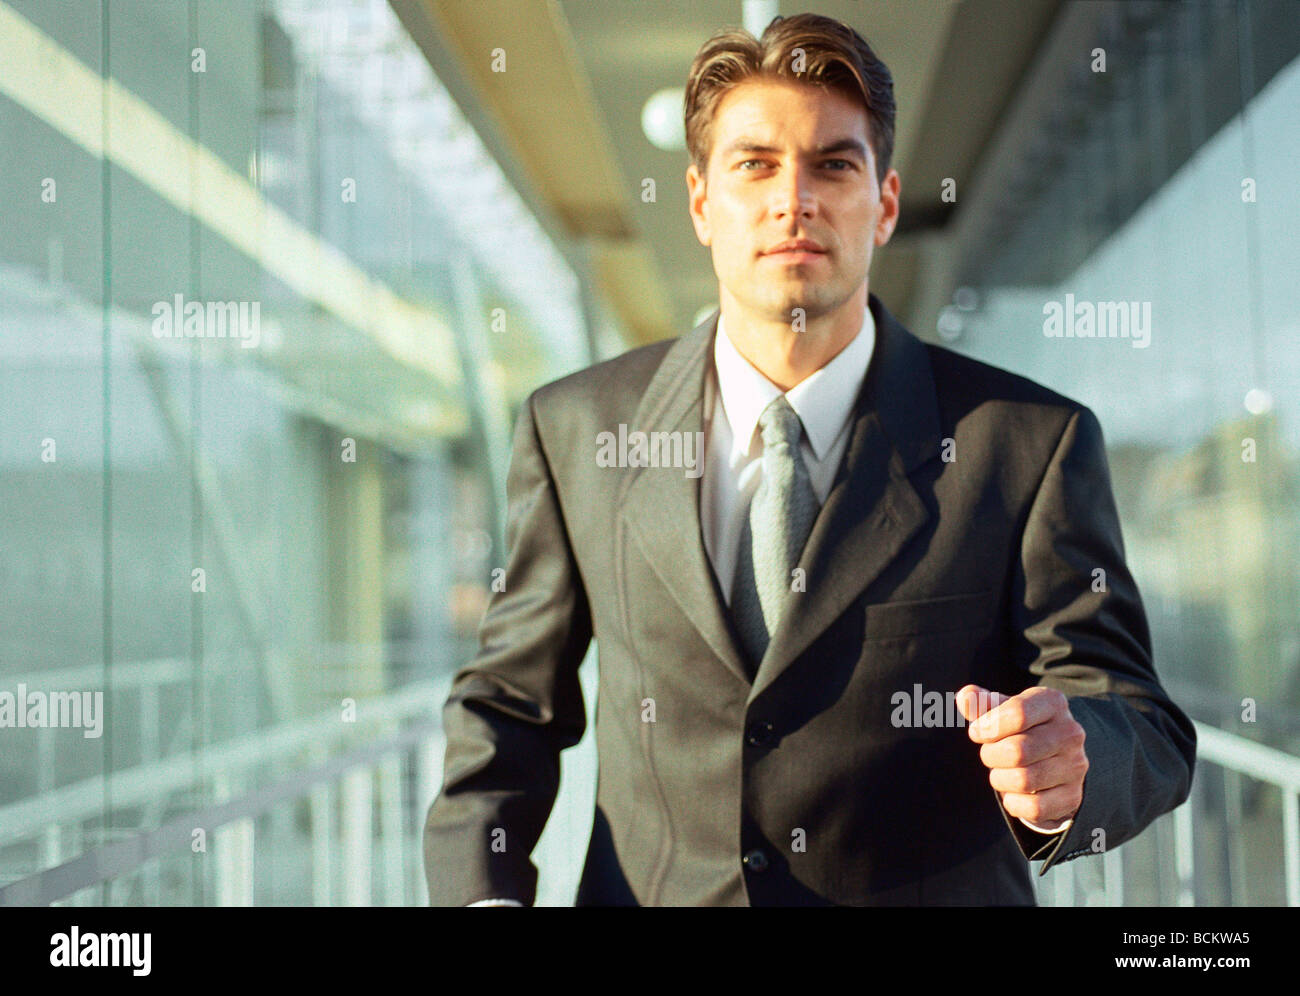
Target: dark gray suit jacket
x=930, y=565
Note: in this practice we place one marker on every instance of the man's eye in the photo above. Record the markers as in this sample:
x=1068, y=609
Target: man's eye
x=839, y=165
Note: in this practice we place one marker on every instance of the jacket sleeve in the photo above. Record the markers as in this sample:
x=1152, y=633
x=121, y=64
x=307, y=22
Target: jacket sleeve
x=1079, y=627
x=517, y=705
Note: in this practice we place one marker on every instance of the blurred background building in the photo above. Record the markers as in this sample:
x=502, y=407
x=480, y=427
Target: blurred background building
x=266, y=540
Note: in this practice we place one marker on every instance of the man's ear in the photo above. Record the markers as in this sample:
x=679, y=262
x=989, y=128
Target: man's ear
x=699, y=204
x=890, y=204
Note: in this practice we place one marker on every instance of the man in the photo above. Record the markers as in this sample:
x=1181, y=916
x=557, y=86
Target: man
x=885, y=540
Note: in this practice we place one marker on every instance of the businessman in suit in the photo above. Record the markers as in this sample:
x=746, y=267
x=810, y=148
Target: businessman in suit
x=866, y=635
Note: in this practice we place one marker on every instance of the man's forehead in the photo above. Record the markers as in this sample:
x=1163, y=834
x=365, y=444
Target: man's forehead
x=828, y=115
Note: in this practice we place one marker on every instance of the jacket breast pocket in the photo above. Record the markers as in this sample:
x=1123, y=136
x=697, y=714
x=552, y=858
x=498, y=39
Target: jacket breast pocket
x=920, y=617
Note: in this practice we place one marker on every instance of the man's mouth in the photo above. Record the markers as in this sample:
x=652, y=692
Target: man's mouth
x=796, y=251
x=795, y=256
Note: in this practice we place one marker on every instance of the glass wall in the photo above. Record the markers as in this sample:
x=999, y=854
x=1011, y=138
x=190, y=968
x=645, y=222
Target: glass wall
x=1142, y=259
x=260, y=352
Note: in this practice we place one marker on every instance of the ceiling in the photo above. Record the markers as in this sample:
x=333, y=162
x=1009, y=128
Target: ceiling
x=557, y=88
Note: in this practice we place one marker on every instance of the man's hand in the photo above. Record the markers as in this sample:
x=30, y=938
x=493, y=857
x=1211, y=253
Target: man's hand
x=1033, y=749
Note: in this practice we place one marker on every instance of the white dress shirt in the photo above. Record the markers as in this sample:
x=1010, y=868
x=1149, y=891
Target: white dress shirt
x=734, y=397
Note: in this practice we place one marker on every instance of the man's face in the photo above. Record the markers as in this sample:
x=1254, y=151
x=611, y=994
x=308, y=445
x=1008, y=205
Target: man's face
x=791, y=162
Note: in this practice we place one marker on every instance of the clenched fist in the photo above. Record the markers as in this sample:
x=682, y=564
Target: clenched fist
x=1033, y=749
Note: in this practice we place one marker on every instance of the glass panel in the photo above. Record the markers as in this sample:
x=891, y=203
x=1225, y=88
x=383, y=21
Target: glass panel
x=253, y=424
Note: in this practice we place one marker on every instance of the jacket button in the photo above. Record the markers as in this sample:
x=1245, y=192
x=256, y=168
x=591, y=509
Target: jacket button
x=759, y=733
x=755, y=860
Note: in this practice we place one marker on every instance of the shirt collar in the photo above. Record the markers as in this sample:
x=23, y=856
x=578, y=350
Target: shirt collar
x=823, y=400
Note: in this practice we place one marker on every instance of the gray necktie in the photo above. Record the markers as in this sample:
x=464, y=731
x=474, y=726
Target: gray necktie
x=773, y=535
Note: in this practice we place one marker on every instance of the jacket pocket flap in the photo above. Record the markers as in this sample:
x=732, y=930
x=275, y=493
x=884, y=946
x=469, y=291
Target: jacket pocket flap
x=944, y=614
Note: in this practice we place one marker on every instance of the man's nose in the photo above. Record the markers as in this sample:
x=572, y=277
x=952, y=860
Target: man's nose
x=794, y=194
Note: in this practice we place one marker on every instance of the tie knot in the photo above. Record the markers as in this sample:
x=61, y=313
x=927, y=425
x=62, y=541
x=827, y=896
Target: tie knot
x=780, y=423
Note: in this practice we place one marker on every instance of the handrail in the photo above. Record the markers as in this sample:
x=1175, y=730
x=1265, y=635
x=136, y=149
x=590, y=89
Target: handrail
x=1231, y=750
x=123, y=675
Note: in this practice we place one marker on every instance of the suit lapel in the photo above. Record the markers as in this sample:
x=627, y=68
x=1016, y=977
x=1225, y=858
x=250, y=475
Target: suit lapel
x=869, y=516
x=661, y=506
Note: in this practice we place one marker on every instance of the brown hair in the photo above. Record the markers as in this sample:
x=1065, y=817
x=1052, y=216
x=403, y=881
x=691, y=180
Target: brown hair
x=829, y=53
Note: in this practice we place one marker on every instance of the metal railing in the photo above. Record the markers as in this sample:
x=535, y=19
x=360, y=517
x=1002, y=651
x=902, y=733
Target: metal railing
x=1237, y=758
x=354, y=778
x=353, y=767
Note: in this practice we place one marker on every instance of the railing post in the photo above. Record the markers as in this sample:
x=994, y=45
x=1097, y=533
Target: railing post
x=1237, y=883
x=1063, y=884
x=322, y=842
x=1112, y=867
x=1291, y=843
x=1185, y=851
x=392, y=839
x=358, y=803
x=428, y=777
x=52, y=837
x=151, y=874
x=234, y=846
x=233, y=853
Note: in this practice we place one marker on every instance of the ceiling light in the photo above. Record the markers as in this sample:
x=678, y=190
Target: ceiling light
x=662, y=121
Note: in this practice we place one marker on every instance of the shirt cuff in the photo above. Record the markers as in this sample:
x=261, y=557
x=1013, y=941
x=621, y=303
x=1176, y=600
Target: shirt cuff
x=1061, y=829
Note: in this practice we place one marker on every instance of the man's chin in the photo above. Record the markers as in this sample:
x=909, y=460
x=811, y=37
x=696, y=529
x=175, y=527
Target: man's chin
x=807, y=308
x=795, y=300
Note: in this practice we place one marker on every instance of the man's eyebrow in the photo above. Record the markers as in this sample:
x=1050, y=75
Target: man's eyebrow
x=843, y=145
x=748, y=145
x=839, y=145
